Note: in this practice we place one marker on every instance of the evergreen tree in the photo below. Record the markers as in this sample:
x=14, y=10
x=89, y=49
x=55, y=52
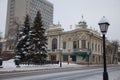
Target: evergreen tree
x=23, y=43
x=38, y=37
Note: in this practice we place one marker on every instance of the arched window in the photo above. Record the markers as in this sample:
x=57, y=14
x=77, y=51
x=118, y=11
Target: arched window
x=83, y=44
x=54, y=44
x=92, y=46
x=88, y=45
x=75, y=44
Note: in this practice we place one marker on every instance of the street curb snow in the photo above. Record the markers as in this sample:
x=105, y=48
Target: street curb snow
x=38, y=68
x=35, y=69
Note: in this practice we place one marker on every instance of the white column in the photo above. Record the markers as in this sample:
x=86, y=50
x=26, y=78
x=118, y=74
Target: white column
x=58, y=41
x=49, y=43
x=71, y=46
x=79, y=43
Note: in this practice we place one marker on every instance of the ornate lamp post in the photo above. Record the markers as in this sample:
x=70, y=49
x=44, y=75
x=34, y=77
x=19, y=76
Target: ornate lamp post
x=60, y=52
x=61, y=57
x=103, y=23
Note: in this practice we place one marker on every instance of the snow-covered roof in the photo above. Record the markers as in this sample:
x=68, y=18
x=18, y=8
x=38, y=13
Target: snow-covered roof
x=55, y=26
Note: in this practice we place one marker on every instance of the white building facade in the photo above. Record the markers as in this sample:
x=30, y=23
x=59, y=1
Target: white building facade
x=16, y=12
x=82, y=45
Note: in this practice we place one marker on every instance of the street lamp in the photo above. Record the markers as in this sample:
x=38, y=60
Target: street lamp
x=89, y=48
x=60, y=52
x=103, y=23
x=61, y=57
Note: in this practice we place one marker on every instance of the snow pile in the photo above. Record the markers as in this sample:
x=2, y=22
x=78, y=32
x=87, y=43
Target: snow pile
x=9, y=64
x=118, y=63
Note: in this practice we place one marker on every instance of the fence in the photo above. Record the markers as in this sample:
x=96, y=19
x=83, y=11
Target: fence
x=38, y=62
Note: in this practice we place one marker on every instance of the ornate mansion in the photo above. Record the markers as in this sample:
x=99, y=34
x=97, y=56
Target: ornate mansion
x=82, y=45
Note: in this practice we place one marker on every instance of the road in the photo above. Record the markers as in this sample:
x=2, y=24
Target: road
x=62, y=74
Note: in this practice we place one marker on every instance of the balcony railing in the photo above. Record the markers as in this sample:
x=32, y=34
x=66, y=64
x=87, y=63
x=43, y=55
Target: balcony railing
x=81, y=49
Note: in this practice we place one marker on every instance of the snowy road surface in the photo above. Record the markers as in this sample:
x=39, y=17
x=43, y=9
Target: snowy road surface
x=89, y=74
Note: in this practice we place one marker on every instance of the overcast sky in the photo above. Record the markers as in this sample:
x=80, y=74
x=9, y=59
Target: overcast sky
x=69, y=12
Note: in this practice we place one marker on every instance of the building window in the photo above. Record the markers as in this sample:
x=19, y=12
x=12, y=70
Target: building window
x=75, y=44
x=54, y=44
x=65, y=57
x=88, y=45
x=99, y=59
x=98, y=48
x=93, y=58
x=95, y=47
x=92, y=46
x=0, y=46
x=101, y=49
x=83, y=44
x=10, y=47
x=64, y=45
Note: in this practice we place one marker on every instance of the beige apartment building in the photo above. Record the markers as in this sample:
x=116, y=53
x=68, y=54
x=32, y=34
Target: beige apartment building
x=16, y=12
x=82, y=45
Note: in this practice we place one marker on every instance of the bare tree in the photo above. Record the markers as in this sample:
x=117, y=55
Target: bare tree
x=116, y=45
x=13, y=34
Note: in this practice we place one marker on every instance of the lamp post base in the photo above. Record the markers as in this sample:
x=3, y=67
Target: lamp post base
x=105, y=76
x=60, y=64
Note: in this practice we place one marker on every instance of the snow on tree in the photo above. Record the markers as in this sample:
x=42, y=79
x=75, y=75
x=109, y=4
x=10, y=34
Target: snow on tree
x=23, y=39
x=37, y=34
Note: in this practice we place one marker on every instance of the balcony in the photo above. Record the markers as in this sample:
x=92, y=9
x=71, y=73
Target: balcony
x=81, y=49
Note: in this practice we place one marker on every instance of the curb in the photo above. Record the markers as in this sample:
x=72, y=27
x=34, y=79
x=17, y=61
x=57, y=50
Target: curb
x=19, y=69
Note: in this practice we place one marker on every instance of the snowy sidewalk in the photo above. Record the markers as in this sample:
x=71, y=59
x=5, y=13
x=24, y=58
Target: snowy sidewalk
x=9, y=66
x=36, y=67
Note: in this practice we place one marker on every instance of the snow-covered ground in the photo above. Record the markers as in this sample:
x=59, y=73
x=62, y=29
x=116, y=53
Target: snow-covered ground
x=112, y=76
x=10, y=66
x=119, y=63
x=91, y=74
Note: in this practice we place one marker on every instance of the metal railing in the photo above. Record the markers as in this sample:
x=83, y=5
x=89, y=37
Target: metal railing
x=43, y=62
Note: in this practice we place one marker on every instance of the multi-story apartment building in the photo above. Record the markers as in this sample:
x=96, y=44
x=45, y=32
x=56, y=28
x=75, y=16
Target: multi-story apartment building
x=82, y=45
x=16, y=12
